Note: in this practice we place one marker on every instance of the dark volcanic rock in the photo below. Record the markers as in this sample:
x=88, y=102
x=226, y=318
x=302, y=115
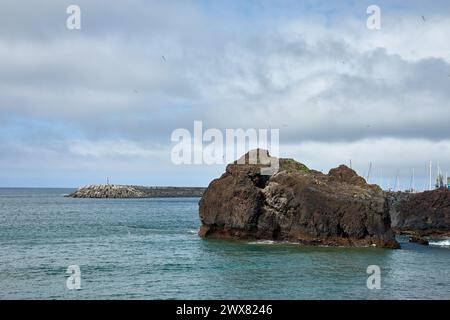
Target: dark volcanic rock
x=419, y=240
x=296, y=204
x=421, y=214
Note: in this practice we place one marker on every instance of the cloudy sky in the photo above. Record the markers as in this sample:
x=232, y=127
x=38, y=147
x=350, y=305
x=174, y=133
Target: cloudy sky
x=79, y=105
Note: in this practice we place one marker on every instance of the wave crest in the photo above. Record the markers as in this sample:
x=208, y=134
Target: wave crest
x=443, y=243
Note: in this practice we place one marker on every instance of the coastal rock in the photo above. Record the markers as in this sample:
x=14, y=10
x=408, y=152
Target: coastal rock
x=424, y=214
x=296, y=204
x=419, y=240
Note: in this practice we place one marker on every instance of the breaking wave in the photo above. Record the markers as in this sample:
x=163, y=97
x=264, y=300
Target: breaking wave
x=443, y=243
x=262, y=242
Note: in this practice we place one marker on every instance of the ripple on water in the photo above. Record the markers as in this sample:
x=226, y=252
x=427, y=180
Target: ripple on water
x=132, y=249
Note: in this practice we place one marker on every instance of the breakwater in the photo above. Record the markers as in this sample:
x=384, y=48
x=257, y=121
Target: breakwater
x=129, y=191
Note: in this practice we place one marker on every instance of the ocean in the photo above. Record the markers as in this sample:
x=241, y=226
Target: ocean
x=149, y=249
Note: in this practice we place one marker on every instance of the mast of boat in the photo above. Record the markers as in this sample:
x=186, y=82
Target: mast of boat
x=438, y=169
x=381, y=178
x=439, y=182
x=446, y=182
x=397, y=182
x=431, y=164
x=369, y=172
x=411, y=183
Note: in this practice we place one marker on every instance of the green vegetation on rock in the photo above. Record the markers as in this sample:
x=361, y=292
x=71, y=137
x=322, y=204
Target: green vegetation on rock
x=290, y=165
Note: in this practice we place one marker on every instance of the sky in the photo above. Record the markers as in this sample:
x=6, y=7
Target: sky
x=77, y=106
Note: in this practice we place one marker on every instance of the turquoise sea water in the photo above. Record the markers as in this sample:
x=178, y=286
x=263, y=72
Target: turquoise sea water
x=149, y=249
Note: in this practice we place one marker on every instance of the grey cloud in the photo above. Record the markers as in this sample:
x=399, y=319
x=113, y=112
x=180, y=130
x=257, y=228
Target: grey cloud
x=318, y=83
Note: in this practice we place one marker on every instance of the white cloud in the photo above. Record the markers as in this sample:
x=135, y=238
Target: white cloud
x=388, y=156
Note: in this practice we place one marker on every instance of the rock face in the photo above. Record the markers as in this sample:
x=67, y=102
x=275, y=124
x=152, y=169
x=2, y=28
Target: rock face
x=425, y=214
x=121, y=191
x=296, y=204
x=419, y=240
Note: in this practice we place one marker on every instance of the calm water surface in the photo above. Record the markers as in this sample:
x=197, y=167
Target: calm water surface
x=149, y=249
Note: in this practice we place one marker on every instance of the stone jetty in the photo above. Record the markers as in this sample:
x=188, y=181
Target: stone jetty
x=124, y=191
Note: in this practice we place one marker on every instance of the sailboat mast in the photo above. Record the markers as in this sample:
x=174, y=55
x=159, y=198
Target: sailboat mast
x=438, y=170
x=369, y=172
x=446, y=185
x=397, y=182
x=411, y=183
x=431, y=163
x=440, y=178
x=381, y=178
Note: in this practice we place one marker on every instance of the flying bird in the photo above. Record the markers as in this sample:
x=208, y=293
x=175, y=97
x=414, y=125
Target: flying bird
x=164, y=58
x=423, y=18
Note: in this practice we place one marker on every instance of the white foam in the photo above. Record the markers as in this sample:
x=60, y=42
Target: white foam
x=443, y=243
x=262, y=242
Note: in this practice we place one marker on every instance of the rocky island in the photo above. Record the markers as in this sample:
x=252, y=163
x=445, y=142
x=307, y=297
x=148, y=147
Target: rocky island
x=422, y=216
x=124, y=191
x=296, y=204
